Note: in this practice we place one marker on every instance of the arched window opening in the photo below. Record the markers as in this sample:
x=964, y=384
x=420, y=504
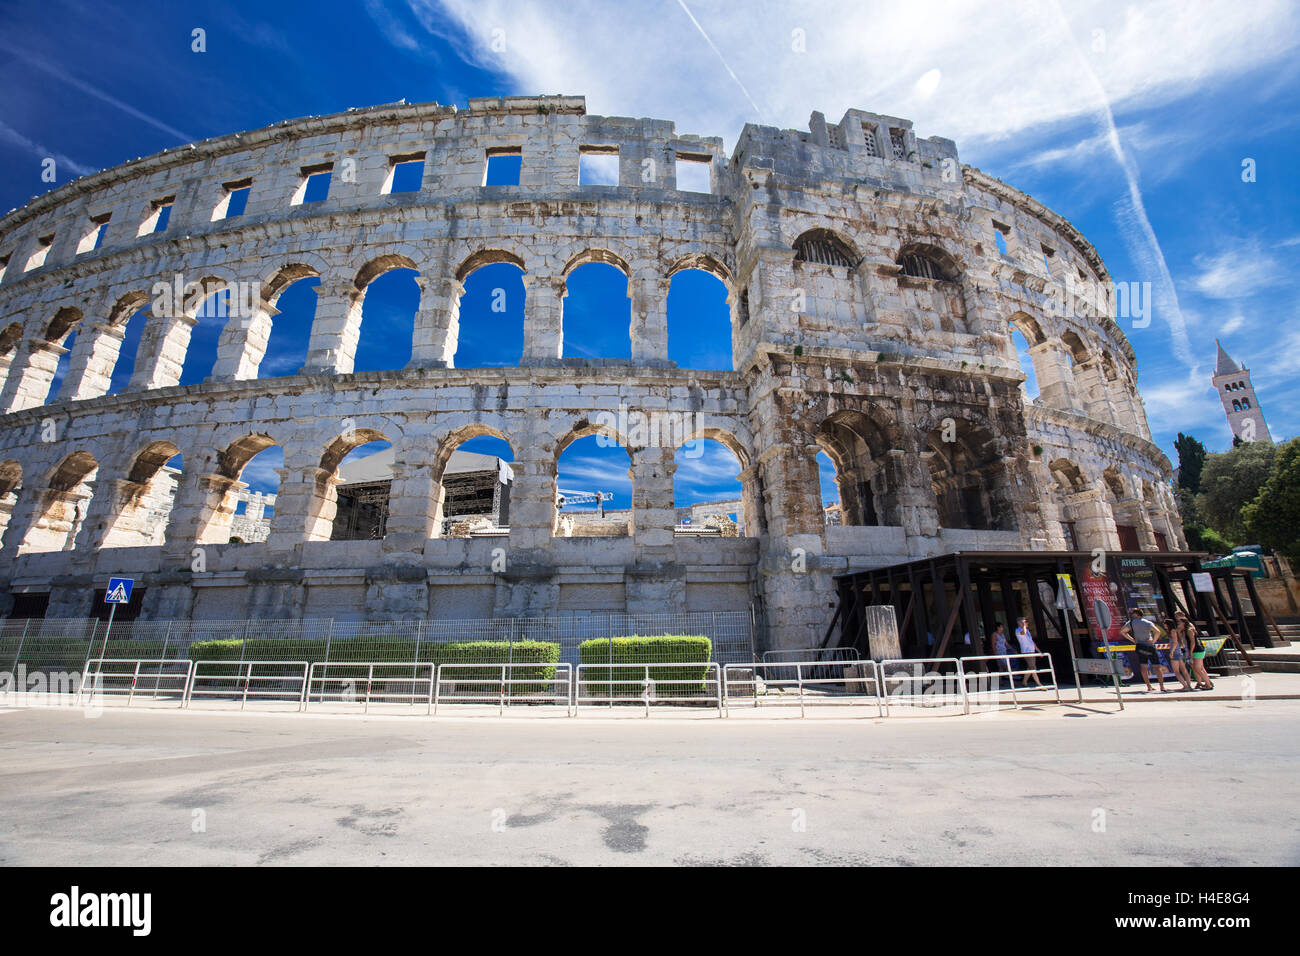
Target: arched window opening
x=491, y=318
x=829, y=483
x=593, y=489
x=706, y=490
x=699, y=321
x=363, y=483
x=968, y=478
x=597, y=313
x=145, y=499
x=1236, y=405
x=388, y=321
x=1245, y=404
x=1029, y=387
x=11, y=480
x=253, y=466
x=63, y=505
x=61, y=369
x=857, y=448
x=128, y=354
x=201, y=353
x=823, y=247
x=1077, y=351
x=286, y=345
x=477, y=477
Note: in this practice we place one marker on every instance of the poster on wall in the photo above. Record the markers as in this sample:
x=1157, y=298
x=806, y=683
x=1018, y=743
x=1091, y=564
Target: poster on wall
x=1104, y=612
x=1137, y=588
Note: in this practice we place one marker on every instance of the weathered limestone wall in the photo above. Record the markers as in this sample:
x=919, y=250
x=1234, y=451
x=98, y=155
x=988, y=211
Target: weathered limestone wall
x=909, y=382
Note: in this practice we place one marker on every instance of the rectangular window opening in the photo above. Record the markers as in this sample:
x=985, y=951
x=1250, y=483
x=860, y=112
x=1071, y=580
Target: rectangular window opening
x=503, y=166
x=898, y=142
x=598, y=166
x=694, y=173
x=405, y=173
x=869, y=139
x=160, y=214
x=1000, y=233
x=93, y=239
x=4, y=265
x=235, y=200
x=37, y=259
x=1047, y=257
x=315, y=185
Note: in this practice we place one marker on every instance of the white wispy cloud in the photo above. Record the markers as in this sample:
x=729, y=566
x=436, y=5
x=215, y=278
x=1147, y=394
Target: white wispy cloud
x=997, y=67
x=1237, y=271
x=10, y=135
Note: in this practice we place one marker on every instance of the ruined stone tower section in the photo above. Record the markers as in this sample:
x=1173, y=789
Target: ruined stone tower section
x=873, y=284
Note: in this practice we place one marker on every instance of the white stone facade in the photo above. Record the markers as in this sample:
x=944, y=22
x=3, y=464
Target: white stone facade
x=910, y=382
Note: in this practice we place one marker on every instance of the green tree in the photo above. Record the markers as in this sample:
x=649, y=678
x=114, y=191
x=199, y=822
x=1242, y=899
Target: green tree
x=1273, y=517
x=1231, y=480
x=1191, y=460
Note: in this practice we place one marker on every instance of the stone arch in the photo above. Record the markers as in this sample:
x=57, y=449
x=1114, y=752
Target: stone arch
x=360, y=512
x=486, y=325
x=589, y=317
x=251, y=336
x=926, y=260
x=969, y=478
x=464, y=502
x=379, y=265
x=1027, y=326
x=63, y=322
x=10, y=336
x=486, y=257
x=603, y=431
x=858, y=446
x=704, y=262
x=63, y=503
x=1078, y=351
x=11, y=480
x=701, y=334
x=232, y=460
x=592, y=254
x=221, y=491
x=141, y=503
x=822, y=246
x=1069, y=476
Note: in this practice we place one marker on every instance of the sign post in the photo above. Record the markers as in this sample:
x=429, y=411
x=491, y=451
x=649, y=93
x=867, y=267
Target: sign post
x=1068, y=601
x=118, y=592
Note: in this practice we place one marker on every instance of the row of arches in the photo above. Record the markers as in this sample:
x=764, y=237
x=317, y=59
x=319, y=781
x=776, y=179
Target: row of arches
x=152, y=497
x=297, y=319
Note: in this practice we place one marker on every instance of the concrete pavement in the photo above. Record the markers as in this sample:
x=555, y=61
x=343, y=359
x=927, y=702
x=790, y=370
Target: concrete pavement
x=1204, y=782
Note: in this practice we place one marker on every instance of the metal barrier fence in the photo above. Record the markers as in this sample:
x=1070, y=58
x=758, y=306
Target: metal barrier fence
x=391, y=684
x=68, y=643
x=636, y=684
x=124, y=676
x=497, y=684
x=1004, y=669
x=851, y=681
x=229, y=680
x=916, y=679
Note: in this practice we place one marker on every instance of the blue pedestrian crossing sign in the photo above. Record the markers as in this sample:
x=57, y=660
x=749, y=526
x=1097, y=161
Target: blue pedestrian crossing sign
x=119, y=591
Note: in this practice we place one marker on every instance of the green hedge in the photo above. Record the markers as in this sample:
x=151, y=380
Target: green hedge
x=693, y=652
x=542, y=653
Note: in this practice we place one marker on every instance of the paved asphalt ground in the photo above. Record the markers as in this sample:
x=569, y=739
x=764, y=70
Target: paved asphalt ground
x=1206, y=782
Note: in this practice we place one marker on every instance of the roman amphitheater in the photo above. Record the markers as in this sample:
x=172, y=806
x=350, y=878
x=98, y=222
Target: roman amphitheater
x=874, y=284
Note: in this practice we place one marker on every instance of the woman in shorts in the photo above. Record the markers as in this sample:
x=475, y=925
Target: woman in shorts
x=1181, y=623
x=1181, y=641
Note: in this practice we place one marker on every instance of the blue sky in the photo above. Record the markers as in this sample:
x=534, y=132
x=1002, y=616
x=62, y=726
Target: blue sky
x=1132, y=121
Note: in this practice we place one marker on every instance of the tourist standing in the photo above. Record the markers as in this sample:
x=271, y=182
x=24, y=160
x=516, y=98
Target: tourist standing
x=1181, y=643
x=1140, y=631
x=1027, y=646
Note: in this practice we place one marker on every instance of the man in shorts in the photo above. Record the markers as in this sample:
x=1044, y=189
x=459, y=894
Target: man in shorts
x=1141, y=631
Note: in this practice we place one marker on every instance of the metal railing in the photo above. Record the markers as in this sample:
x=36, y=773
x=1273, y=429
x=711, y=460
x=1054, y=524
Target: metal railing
x=124, y=676
x=388, y=686
x=1003, y=668
x=637, y=684
x=498, y=684
x=68, y=643
x=919, y=679
x=855, y=682
x=231, y=680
